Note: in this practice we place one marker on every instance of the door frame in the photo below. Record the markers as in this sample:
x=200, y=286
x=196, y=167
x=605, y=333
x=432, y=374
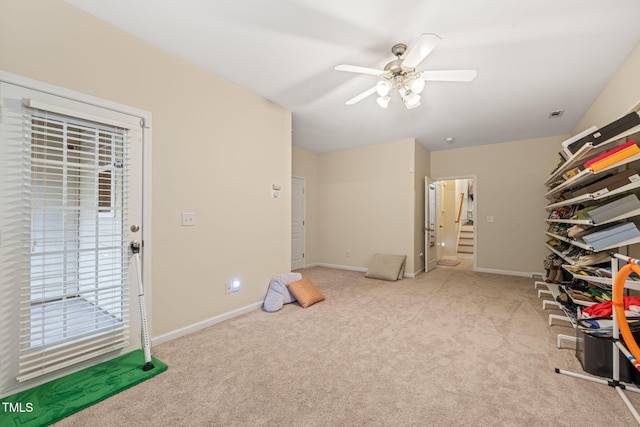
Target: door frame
x=475, y=210
x=145, y=188
x=304, y=216
x=430, y=255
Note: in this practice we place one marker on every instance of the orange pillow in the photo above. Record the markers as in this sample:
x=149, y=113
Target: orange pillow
x=305, y=292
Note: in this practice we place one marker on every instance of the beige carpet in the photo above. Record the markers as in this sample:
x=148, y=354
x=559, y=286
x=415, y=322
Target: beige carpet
x=449, y=348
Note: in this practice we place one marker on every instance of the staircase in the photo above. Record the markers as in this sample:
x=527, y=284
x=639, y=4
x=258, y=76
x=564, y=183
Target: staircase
x=465, y=239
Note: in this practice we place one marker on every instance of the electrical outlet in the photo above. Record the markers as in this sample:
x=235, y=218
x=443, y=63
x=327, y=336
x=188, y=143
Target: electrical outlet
x=188, y=219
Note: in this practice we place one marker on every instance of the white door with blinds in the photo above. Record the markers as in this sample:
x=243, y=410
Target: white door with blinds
x=71, y=192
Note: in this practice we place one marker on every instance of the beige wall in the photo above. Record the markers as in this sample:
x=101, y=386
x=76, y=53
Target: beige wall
x=509, y=187
x=364, y=201
x=206, y=158
x=367, y=204
x=366, y=197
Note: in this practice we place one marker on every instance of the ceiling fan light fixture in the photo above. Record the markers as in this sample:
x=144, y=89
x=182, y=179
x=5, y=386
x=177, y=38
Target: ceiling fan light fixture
x=417, y=85
x=409, y=96
x=401, y=75
x=383, y=101
x=383, y=88
x=411, y=101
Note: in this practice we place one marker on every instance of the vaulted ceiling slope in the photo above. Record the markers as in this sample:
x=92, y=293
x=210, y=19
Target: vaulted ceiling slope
x=531, y=58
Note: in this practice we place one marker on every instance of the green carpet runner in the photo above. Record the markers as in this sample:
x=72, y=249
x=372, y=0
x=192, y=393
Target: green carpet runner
x=51, y=402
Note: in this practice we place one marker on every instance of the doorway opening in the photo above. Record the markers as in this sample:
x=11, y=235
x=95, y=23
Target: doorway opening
x=455, y=223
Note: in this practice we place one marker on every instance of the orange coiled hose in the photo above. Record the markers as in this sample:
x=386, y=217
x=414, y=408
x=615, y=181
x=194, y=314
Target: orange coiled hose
x=618, y=306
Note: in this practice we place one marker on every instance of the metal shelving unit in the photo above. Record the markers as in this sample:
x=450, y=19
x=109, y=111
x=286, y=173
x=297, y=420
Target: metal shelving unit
x=587, y=176
x=586, y=151
x=594, y=196
x=618, y=347
x=585, y=246
x=629, y=214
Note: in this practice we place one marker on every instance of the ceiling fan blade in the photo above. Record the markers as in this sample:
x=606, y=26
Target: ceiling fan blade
x=362, y=70
x=362, y=96
x=449, y=75
x=426, y=43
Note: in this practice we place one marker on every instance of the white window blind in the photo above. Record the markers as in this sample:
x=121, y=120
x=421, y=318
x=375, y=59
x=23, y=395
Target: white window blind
x=74, y=286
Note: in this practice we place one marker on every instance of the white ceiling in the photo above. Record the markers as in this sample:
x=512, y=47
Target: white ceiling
x=532, y=58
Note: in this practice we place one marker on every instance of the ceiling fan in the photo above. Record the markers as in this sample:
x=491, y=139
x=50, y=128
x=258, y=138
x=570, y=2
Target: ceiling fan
x=401, y=74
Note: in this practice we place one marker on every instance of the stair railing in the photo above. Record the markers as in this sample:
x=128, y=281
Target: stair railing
x=460, y=208
x=458, y=224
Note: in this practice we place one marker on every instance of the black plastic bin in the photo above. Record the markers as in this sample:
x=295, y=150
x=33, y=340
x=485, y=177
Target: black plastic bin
x=596, y=356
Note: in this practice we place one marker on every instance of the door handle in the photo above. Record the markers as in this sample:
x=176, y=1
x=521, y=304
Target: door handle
x=135, y=246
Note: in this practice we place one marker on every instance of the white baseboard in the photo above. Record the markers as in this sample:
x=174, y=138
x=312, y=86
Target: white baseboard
x=503, y=272
x=203, y=324
x=349, y=267
x=414, y=274
x=338, y=266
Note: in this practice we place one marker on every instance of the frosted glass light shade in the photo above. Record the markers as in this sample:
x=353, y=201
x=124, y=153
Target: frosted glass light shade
x=383, y=88
x=412, y=100
x=417, y=85
x=383, y=101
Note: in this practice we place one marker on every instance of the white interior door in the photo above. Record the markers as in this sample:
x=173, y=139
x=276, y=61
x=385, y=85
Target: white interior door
x=298, y=202
x=430, y=227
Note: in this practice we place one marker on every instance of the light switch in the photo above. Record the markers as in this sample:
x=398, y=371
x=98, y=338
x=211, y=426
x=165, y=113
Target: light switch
x=490, y=218
x=188, y=219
